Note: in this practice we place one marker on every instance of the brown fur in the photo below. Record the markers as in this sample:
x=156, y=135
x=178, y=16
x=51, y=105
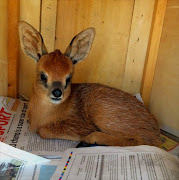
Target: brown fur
x=92, y=113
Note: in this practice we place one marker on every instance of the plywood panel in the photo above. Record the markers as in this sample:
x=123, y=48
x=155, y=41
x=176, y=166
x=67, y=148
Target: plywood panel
x=153, y=48
x=164, y=102
x=48, y=23
x=29, y=12
x=139, y=35
x=13, y=48
x=112, y=21
x=3, y=48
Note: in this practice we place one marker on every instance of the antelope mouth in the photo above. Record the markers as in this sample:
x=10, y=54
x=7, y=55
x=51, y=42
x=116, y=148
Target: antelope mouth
x=55, y=100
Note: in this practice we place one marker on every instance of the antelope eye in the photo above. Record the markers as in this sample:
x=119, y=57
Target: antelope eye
x=43, y=78
x=68, y=80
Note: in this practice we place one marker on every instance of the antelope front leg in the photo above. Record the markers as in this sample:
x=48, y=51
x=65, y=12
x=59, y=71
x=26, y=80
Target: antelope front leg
x=47, y=133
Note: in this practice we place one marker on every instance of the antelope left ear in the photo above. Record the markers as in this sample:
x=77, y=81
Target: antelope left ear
x=31, y=41
x=80, y=45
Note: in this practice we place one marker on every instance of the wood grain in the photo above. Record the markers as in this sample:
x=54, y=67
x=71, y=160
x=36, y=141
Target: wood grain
x=13, y=48
x=48, y=23
x=164, y=101
x=153, y=48
x=3, y=48
x=112, y=21
x=138, y=42
x=29, y=12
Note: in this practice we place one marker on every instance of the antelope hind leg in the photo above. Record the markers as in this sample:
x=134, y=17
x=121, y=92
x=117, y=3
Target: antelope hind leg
x=107, y=139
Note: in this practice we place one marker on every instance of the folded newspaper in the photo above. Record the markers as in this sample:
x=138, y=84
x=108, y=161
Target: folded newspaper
x=141, y=162
x=18, y=164
x=95, y=163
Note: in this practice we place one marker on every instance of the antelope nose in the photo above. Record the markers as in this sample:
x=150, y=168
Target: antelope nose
x=57, y=93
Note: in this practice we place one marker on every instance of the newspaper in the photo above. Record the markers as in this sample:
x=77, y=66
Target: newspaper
x=170, y=143
x=18, y=164
x=14, y=131
x=95, y=163
x=114, y=163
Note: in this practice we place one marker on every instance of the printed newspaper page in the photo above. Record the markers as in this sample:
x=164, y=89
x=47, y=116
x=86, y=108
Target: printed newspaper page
x=16, y=164
x=14, y=131
x=170, y=143
x=114, y=163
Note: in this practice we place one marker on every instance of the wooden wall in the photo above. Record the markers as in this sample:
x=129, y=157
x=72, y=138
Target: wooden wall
x=112, y=22
x=41, y=14
x=3, y=48
x=122, y=31
x=30, y=11
x=164, y=101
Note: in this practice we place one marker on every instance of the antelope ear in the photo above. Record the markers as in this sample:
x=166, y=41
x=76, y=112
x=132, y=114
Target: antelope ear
x=31, y=41
x=80, y=45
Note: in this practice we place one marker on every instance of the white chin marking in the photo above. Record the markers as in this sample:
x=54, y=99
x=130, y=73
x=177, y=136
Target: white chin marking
x=55, y=101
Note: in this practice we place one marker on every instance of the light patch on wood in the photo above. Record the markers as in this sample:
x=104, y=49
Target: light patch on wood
x=112, y=21
x=164, y=101
x=48, y=23
x=139, y=35
x=3, y=48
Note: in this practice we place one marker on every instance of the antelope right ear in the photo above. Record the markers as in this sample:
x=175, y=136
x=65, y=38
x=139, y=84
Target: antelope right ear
x=31, y=41
x=80, y=45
